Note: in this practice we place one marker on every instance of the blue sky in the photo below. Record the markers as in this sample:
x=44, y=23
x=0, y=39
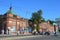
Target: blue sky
x=24, y=8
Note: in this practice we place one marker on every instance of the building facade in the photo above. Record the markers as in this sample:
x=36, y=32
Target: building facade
x=58, y=23
x=47, y=27
x=13, y=24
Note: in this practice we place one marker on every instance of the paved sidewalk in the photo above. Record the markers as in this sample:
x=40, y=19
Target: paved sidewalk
x=13, y=35
x=18, y=37
x=10, y=37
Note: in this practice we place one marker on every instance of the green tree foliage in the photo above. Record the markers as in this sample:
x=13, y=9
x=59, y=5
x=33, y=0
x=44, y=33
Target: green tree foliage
x=43, y=20
x=31, y=24
x=36, y=18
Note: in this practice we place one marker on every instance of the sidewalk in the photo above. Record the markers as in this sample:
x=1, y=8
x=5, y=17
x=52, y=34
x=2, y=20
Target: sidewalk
x=5, y=35
x=18, y=37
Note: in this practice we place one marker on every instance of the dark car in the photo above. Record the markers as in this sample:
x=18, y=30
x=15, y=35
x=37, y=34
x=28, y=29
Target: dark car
x=46, y=33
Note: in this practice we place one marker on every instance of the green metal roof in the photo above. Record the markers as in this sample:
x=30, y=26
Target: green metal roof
x=10, y=11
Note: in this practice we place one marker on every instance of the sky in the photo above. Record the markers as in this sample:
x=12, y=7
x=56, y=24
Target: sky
x=25, y=8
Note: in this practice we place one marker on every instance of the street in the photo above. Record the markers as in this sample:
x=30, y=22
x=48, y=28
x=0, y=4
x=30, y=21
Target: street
x=41, y=38
x=37, y=37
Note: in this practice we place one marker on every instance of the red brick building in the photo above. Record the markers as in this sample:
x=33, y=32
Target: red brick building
x=12, y=24
x=47, y=27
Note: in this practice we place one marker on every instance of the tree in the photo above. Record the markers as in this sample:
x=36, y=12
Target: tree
x=51, y=22
x=36, y=18
x=43, y=20
x=31, y=24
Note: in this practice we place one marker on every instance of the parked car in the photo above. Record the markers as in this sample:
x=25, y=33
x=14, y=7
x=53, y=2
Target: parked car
x=35, y=33
x=46, y=33
x=40, y=33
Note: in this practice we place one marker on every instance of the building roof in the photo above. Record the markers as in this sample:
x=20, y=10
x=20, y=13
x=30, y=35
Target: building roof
x=10, y=11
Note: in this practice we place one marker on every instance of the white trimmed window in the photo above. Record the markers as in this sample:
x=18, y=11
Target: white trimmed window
x=17, y=22
x=10, y=21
